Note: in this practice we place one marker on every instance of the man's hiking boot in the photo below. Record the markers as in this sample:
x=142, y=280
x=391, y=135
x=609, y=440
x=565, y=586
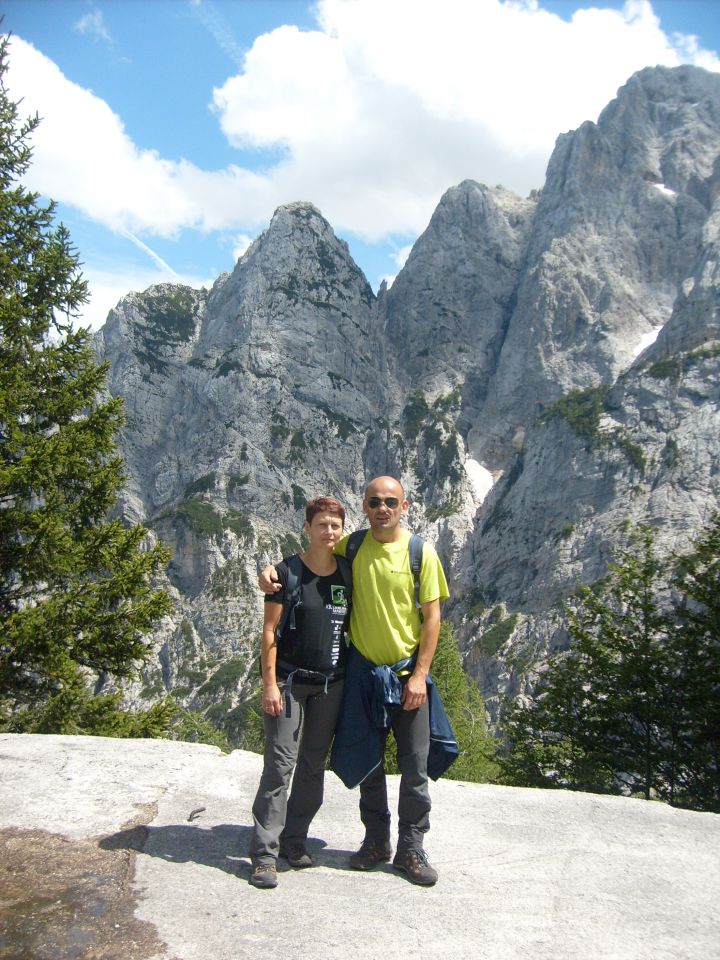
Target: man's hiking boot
x=264, y=876
x=370, y=854
x=296, y=855
x=415, y=865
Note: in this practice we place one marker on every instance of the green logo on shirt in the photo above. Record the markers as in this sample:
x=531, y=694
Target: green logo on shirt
x=338, y=595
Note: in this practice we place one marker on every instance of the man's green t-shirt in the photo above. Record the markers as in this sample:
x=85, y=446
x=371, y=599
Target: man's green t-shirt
x=384, y=622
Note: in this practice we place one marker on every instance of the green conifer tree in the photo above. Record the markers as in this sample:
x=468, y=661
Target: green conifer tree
x=465, y=708
x=602, y=719
x=694, y=776
x=75, y=593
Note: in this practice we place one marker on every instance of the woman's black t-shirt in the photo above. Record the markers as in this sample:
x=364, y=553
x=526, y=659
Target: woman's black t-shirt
x=318, y=641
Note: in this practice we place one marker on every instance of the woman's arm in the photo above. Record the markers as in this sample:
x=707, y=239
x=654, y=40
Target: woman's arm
x=272, y=701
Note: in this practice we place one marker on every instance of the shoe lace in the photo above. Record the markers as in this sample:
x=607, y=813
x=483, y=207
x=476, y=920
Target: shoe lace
x=420, y=856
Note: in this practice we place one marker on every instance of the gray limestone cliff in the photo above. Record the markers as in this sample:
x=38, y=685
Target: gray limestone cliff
x=290, y=378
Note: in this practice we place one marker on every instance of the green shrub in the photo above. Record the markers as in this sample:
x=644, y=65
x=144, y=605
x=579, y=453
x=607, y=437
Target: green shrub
x=169, y=316
x=414, y=414
x=496, y=636
x=226, y=677
x=202, y=484
x=582, y=409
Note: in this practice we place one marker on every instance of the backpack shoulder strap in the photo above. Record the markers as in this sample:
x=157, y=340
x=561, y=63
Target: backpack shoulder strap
x=345, y=568
x=293, y=594
x=415, y=549
x=353, y=545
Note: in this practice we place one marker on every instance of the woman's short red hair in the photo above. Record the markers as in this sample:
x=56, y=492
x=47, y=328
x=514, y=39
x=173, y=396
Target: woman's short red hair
x=324, y=505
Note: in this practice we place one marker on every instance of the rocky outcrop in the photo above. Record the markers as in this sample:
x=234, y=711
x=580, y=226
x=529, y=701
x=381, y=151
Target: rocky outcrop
x=139, y=850
x=447, y=312
x=617, y=230
x=542, y=372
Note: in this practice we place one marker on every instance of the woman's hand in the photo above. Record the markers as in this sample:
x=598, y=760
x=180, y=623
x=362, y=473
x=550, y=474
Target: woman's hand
x=272, y=699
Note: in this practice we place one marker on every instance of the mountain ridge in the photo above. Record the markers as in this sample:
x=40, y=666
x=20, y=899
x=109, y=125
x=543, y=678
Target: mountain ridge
x=289, y=379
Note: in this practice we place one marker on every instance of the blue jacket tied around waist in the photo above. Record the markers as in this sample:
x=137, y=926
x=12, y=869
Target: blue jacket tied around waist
x=371, y=696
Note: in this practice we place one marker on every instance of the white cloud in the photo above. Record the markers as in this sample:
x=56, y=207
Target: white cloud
x=93, y=25
x=400, y=256
x=377, y=113
x=388, y=104
x=82, y=155
x=240, y=245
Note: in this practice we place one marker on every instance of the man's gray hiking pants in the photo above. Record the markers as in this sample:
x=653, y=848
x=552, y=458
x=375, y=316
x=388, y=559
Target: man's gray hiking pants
x=412, y=735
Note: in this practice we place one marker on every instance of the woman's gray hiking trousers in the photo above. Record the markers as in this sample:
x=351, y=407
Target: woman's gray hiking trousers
x=305, y=736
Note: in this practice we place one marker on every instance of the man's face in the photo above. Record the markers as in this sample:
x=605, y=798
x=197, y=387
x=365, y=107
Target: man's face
x=384, y=505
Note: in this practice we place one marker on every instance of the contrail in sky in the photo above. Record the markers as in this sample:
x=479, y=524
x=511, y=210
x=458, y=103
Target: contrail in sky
x=216, y=24
x=151, y=253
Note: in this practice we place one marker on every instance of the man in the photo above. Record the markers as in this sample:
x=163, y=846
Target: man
x=388, y=632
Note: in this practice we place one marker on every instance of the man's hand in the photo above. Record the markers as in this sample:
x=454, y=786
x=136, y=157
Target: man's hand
x=268, y=581
x=415, y=692
x=272, y=700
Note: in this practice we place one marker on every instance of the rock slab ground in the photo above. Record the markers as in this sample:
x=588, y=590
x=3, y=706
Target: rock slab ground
x=138, y=850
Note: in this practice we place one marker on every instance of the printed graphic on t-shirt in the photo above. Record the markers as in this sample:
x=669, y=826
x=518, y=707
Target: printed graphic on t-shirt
x=315, y=638
x=338, y=595
x=337, y=610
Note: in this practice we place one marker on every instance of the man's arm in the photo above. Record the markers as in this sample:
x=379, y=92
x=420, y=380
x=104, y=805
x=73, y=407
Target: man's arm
x=269, y=581
x=415, y=692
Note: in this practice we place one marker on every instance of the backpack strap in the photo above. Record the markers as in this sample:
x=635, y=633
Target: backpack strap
x=353, y=545
x=345, y=568
x=415, y=549
x=293, y=594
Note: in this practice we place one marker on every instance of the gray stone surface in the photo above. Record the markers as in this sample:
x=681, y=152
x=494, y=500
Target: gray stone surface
x=523, y=873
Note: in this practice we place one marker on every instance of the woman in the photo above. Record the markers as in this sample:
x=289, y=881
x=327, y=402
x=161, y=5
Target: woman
x=303, y=665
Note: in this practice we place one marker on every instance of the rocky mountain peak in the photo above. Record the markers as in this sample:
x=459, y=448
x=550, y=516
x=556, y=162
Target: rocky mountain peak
x=447, y=311
x=301, y=249
x=296, y=275
x=668, y=121
x=610, y=247
x=507, y=377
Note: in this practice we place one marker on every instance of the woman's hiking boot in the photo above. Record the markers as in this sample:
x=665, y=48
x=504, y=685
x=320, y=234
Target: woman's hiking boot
x=264, y=876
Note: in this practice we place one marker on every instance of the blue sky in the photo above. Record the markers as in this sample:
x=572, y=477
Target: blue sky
x=172, y=129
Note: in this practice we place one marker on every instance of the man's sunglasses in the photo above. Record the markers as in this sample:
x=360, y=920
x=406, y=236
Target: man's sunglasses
x=391, y=502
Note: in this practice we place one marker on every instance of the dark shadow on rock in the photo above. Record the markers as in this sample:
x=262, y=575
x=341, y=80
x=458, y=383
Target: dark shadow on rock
x=325, y=856
x=225, y=846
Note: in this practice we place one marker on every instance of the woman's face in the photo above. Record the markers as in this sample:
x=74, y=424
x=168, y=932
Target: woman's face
x=325, y=530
